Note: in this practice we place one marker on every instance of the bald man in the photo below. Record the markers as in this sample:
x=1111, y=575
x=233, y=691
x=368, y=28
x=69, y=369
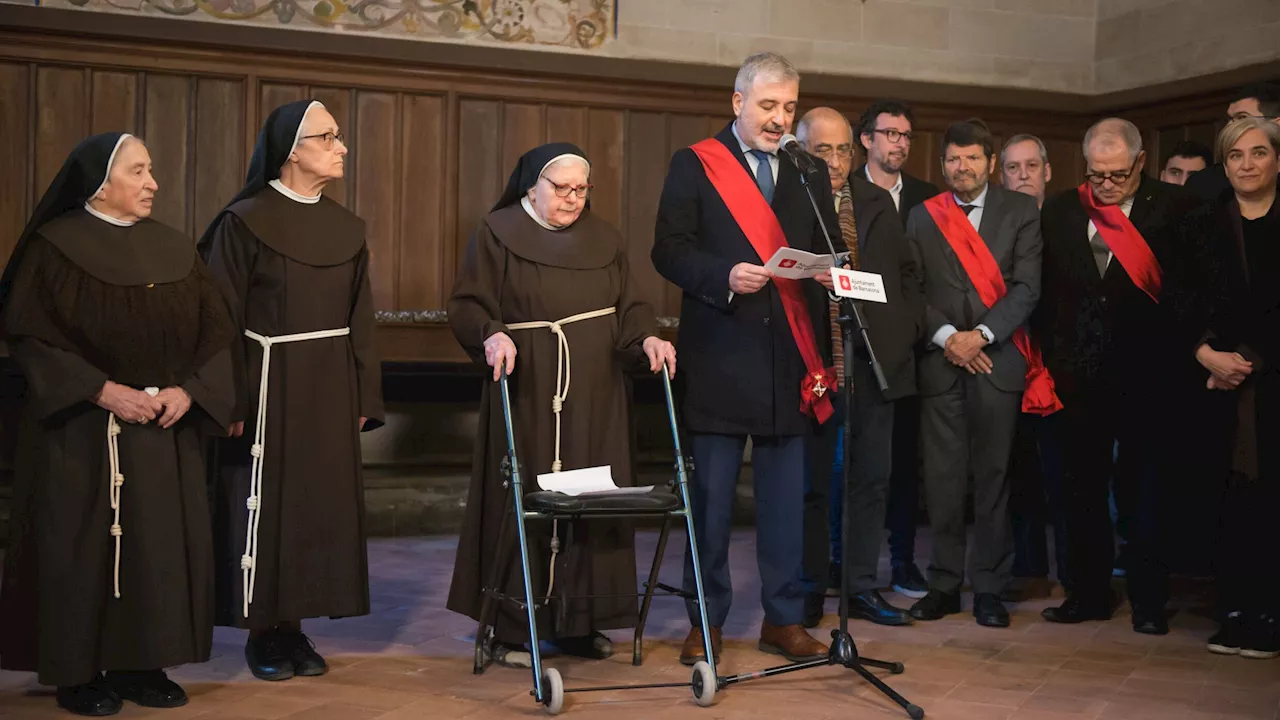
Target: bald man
x=1110, y=338
x=870, y=230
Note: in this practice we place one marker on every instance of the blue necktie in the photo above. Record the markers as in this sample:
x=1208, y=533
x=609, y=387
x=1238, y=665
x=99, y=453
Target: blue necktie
x=764, y=175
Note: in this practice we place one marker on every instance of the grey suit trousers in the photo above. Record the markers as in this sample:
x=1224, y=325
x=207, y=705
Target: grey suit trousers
x=968, y=430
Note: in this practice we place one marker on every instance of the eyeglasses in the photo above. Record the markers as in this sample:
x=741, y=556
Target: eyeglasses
x=564, y=190
x=1116, y=178
x=327, y=139
x=894, y=136
x=826, y=152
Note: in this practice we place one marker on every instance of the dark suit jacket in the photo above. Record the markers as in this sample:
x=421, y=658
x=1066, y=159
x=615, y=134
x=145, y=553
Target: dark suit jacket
x=914, y=192
x=1209, y=183
x=1010, y=227
x=1103, y=329
x=740, y=368
x=894, y=327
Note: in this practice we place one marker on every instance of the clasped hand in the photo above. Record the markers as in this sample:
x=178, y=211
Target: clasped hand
x=964, y=349
x=136, y=406
x=1226, y=369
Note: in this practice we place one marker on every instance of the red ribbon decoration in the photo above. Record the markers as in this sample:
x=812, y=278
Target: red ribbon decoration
x=1125, y=242
x=758, y=222
x=1039, y=397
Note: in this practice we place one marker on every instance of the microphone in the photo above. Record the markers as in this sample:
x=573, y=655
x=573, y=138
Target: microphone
x=794, y=150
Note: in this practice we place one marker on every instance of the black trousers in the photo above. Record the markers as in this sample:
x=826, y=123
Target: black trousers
x=1035, y=498
x=1092, y=423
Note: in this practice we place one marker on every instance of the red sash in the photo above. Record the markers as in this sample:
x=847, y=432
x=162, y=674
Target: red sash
x=1125, y=242
x=757, y=221
x=980, y=265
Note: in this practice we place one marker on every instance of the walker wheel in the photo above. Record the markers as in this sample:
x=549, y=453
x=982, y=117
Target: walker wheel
x=898, y=668
x=703, y=683
x=553, y=691
x=915, y=711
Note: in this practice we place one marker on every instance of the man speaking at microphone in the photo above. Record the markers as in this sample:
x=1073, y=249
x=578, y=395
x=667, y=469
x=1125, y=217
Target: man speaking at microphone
x=750, y=356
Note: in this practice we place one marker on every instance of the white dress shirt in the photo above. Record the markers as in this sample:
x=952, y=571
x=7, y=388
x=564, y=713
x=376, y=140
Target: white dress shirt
x=895, y=192
x=945, y=332
x=1126, y=207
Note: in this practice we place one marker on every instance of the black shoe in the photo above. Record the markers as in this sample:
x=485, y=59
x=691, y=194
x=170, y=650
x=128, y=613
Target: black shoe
x=1076, y=610
x=814, y=607
x=989, y=611
x=1150, y=621
x=592, y=647
x=835, y=580
x=872, y=606
x=151, y=688
x=936, y=605
x=94, y=699
x=908, y=581
x=1262, y=641
x=1230, y=636
x=270, y=656
x=306, y=661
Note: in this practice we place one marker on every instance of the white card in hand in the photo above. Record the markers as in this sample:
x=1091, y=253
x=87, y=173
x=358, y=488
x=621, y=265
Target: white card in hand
x=794, y=264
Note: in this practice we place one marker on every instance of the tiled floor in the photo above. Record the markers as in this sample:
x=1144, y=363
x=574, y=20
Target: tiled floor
x=411, y=659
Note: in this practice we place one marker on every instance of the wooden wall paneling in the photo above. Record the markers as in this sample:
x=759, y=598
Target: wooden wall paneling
x=62, y=112
x=1205, y=133
x=606, y=149
x=273, y=95
x=523, y=128
x=567, y=124
x=166, y=128
x=923, y=160
x=1067, y=163
x=219, y=137
x=481, y=176
x=646, y=169
x=114, y=103
x=375, y=149
x=338, y=102
x=421, y=262
x=15, y=144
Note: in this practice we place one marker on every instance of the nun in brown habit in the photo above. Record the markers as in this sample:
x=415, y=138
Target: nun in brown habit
x=123, y=339
x=540, y=256
x=289, y=495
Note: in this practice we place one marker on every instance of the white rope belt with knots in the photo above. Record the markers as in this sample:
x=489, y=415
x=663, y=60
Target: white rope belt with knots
x=249, y=561
x=115, y=485
x=563, y=375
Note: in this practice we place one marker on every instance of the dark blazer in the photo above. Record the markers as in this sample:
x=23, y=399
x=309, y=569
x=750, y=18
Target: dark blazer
x=1209, y=183
x=894, y=326
x=1011, y=229
x=914, y=192
x=740, y=369
x=1095, y=329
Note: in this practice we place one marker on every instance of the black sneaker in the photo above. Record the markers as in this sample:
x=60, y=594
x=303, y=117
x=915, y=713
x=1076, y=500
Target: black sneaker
x=1262, y=639
x=1228, y=639
x=908, y=581
x=306, y=661
x=270, y=656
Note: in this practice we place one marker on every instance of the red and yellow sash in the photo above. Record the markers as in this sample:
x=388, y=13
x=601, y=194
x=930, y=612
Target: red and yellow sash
x=759, y=223
x=1125, y=242
x=980, y=265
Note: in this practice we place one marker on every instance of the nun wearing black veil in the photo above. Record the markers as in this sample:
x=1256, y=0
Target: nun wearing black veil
x=123, y=338
x=540, y=256
x=289, y=493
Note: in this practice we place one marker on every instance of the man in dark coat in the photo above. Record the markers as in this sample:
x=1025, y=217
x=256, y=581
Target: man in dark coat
x=750, y=361
x=1115, y=248
x=123, y=338
x=870, y=231
x=296, y=264
x=885, y=131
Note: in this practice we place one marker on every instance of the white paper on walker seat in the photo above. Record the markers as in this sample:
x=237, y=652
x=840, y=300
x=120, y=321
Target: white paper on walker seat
x=587, y=481
x=794, y=264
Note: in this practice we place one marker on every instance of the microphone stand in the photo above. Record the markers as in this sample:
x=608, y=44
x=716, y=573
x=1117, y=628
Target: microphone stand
x=844, y=651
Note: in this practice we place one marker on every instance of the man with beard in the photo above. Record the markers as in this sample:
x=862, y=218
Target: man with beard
x=979, y=248
x=885, y=132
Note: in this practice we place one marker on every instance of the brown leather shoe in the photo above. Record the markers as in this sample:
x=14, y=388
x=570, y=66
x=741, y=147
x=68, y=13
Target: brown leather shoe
x=692, y=651
x=791, y=642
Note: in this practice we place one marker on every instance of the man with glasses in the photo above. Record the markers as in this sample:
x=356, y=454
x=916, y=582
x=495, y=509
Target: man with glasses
x=1107, y=326
x=1259, y=100
x=869, y=230
x=885, y=131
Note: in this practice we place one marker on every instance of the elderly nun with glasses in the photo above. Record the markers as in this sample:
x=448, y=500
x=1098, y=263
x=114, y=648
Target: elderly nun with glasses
x=289, y=513
x=123, y=338
x=541, y=256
